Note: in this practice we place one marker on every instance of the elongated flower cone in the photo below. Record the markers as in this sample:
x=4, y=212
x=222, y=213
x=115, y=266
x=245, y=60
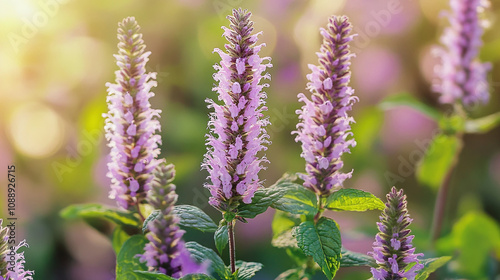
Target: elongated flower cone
x=165, y=251
x=324, y=126
x=237, y=132
x=12, y=262
x=392, y=249
x=131, y=123
x=460, y=76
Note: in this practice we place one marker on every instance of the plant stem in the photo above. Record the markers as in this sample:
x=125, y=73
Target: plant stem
x=230, y=232
x=139, y=211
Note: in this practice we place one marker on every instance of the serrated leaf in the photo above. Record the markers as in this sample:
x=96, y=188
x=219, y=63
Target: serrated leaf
x=247, y=270
x=194, y=217
x=201, y=254
x=95, y=210
x=118, y=238
x=296, y=200
x=321, y=241
x=127, y=262
x=438, y=159
x=406, y=99
x=263, y=198
x=353, y=200
x=431, y=265
x=156, y=214
x=221, y=238
x=350, y=258
x=483, y=125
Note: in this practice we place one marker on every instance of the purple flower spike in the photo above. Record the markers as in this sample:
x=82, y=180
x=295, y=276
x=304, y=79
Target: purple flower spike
x=237, y=131
x=460, y=75
x=131, y=123
x=165, y=251
x=324, y=128
x=392, y=249
x=12, y=265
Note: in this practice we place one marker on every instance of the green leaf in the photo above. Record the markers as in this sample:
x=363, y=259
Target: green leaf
x=201, y=254
x=483, y=125
x=263, y=198
x=118, y=238
x=350, y=258
x=221, y=238
x=155, y=215
x=321, y=241
x=353, y=200
x=127, y=262
x=296, y=200
x=431, y=265
x=406, y=99
x=247, y=270
x=438, y=160
x=194, y=217
x=95, y=210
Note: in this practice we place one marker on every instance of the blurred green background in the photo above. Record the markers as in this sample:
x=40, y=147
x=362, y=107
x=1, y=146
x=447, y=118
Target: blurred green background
x=56, y=56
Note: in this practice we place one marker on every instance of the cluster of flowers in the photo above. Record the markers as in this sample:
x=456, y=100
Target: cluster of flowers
x=12, y=261
x=237, y=131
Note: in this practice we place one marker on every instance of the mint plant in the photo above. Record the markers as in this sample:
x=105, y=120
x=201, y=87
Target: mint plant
x=148, y=228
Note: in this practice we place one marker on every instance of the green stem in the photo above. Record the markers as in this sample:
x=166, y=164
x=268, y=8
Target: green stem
x=232, y=259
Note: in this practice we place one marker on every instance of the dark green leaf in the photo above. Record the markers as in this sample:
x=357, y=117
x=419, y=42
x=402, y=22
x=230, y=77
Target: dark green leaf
x=127, y=262
x=95, y=210
x=431, y=265
x=229, y=216
x=296, y=200
x=221, y=238
x=156, y=214
x=438, y=160
x=194, y=217
x=322, y=242
x=119, y=237
x=483, y=125
x=353, y=200
x=263, y=198
x=350, y=258
x=247, y=270
x=406, y=99
x=201, y=254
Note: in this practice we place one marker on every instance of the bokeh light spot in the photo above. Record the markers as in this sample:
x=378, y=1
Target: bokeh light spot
x=36, y=130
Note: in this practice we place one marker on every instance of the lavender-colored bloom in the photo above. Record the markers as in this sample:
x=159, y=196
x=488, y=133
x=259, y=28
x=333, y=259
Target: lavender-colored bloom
x=325, y=124
x=460, y=75
x=237, y=131
x=12, y=265
x=165, y=251
x=131, y=123
x=392, y=249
